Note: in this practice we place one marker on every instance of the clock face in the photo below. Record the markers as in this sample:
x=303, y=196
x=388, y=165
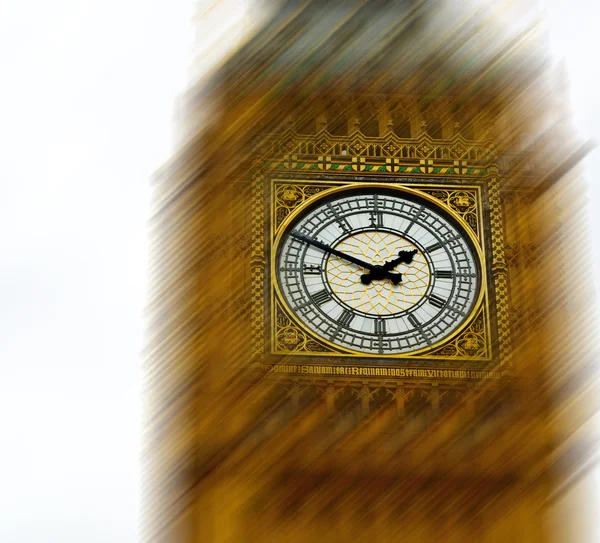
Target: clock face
x=377, y=270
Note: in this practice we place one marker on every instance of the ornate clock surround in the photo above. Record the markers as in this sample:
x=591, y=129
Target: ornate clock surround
x=280, y=346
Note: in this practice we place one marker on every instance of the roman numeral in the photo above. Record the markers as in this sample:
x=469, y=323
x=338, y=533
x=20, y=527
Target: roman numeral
x=345, y=318
x=444, y=274
x=311, y=269
x=321, y=297
x=436, y=301
x=376, y=218
x=344, y=225
x=380, y=327
x=414, y=321
x=341, y=221
x=416, y=324
x=416, y=218
x=433, y=247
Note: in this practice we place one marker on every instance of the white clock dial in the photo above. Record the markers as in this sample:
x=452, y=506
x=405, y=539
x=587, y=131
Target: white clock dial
x=377, y=270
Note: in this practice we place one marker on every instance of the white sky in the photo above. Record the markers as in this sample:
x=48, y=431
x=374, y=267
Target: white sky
x=85, y=110
x=86, y=92
x=574, y=37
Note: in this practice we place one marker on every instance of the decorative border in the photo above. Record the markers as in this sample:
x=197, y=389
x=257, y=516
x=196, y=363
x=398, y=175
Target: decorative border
x=465, y=201
x=457, y=162
x=376, y=164
x=389, y=150
x=499, y=271
x=258, y=266
x=333, y=370
x=472, y=343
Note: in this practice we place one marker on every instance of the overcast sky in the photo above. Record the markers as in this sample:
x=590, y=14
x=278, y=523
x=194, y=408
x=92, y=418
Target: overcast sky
x=85, y=112
x=86, y=92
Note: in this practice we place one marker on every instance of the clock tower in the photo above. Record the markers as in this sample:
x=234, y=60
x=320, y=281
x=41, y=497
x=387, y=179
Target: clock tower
x=352, y=333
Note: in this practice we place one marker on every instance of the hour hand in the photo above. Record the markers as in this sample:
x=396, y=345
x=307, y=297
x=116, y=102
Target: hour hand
x=381, y=273
x=404, y=257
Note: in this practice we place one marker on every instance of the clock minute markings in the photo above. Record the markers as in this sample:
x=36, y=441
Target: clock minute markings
x=307, y=269
x=341, y=221
x=437, y=246
x=302, y=305
x=417, y=324
x=457, y=311
x=343, y=321
x=311, y=269
x=380, y=330
x=376, y=216
x=415, y=219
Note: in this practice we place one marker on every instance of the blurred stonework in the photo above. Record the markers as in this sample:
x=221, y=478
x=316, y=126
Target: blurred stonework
x=246, y=443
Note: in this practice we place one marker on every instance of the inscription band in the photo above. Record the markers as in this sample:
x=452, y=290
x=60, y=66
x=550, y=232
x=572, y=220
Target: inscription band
x=381, y=372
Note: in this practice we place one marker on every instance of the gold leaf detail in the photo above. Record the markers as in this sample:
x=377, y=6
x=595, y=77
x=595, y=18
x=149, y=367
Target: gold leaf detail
x=470, y=343
x=291, y=339
x=288, y=197
x=463, y=202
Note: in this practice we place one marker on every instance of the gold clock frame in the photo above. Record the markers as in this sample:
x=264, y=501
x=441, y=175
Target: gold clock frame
x=471, y=341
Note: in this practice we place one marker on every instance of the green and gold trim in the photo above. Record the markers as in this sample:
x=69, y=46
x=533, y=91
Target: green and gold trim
x=377, y=165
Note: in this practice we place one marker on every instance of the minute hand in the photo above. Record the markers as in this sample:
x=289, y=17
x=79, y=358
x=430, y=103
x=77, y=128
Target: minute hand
x=333, y=251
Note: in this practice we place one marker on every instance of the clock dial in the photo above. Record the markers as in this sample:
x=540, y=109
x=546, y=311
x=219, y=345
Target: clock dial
x=377, y=270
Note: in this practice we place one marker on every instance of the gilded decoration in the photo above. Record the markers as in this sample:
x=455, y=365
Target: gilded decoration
x=420, y=161
x=375, y=297
x=463, y=202
x=288, y=337
x=258, y=265
x=288, y=197
x=456, y=150
x=499, y=270
x=377, y=165
x=472, y=343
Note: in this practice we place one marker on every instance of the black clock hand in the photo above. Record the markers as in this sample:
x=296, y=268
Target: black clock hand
x=333, y=251
x=404, y=257
x=375, y=272
x=380, y=273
